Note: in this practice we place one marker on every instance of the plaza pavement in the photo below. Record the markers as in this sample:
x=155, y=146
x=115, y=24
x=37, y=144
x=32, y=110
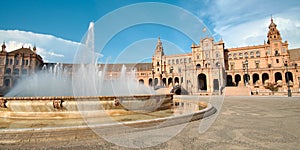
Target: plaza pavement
x=243, y=123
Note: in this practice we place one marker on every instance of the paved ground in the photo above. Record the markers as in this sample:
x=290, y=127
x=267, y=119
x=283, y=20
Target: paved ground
x=243, y=123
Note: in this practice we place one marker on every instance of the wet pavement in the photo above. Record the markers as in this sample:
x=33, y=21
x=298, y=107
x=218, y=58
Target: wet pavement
x=242, y=123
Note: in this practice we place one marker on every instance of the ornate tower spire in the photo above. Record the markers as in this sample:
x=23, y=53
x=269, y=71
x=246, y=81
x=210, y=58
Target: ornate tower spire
x=273, y=33
x=159, y=46
x=34, y=48
x=3, y=47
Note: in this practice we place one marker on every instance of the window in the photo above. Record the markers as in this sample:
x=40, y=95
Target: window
x=157, y=69
x=7, y=82
x=173, y=61
x=276, y=53
x=10, y=61
x=229, y=56
x=198, y=66
x=231, y=66
x=177, y=61
x=16, y=71
x=207, y=55
x=251, y=54
x=241, y=55
x=169, y=62
x=198, y=57
x=256, y=64
x=7, y=71
x=190, y=60
x=179, y=70
x=257, y=54
x=277, y=61
x=184, y=60
x=158, y=63
x=234, y=56
x=246, y=55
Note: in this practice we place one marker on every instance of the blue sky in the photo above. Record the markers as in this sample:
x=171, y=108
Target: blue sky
x=57, y=27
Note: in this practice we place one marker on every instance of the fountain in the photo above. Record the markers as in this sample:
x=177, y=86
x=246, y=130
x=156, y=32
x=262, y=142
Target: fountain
x=52, y=99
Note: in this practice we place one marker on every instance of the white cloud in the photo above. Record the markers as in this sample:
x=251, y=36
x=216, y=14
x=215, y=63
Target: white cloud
x=51, y=48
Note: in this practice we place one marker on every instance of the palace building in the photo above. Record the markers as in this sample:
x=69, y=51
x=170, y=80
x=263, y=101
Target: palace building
x=269, y=63
x=15, y=64
x=206, y=70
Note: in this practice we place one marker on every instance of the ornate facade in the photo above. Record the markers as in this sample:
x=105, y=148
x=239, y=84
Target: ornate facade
x=269, y=63
x=15, y=64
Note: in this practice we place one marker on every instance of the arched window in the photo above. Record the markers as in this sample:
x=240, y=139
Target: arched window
x=234, y=56
x=7, y=71
x=198, y=66
x=7, y=82
x=241, y=55
x=251, y=54
x=246, y=54
x=229, y=56
x=16, y=71
x=24, y=71
x=177, y=61
x=217, y=54
x=257, y=54
x=276, y=52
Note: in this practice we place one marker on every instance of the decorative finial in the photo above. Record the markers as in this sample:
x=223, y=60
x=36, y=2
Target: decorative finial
x=271, y=18
x=34, y=48
x=3, y=46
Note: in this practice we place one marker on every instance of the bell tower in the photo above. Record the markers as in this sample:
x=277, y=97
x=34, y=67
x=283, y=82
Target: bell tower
x=273, y=34
x=158, y=62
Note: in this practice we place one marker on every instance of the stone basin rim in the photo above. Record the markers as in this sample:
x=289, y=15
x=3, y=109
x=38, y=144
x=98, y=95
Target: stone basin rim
x=80, y=97
x=210, y=109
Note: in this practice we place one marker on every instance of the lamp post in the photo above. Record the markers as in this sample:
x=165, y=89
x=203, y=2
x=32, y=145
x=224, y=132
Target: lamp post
x=153, y=78
x=244, y=70
x=219, y=65
x=246, y=63
x=288, y=81
x=171, y=71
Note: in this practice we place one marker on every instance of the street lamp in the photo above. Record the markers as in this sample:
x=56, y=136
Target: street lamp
x=153, y=77
x=171, y=71
x=288, y=81
x=244, y=70
x=219, y=65
x=246, y=63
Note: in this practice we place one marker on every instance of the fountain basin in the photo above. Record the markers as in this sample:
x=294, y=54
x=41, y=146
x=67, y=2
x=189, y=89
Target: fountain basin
x=73, y=107
x=181, y=112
